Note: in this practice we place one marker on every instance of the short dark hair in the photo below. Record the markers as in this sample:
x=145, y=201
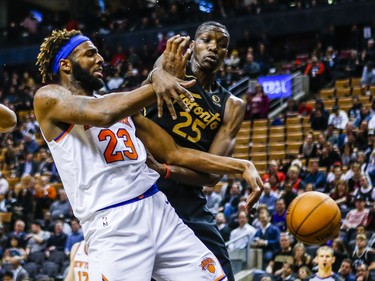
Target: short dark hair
x=209, y=24
x=8, y=274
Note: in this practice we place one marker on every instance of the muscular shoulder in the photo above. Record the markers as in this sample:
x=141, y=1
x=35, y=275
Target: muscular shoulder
x=234, y=108
x=49, y=95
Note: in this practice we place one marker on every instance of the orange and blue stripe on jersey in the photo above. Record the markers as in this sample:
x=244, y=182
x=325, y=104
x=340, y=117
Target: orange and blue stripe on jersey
x=64, y=133
x=149, y=192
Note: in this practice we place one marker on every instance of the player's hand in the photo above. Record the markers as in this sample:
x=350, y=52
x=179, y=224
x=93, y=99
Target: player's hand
x=253, y=179
x=169, y=88
x=175, y=56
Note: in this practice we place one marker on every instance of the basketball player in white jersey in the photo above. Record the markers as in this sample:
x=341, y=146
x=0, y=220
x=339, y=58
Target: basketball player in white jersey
x=8, y=119
x=132, y=231
x=79, y=263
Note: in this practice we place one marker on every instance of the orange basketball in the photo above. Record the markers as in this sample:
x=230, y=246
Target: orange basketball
x=313, y=218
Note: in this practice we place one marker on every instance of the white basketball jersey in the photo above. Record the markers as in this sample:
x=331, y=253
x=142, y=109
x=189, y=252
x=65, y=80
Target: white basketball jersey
x=100, y=167
x=81, y=263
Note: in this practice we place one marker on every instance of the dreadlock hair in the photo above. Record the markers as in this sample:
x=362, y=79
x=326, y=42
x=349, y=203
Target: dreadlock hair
x=49, y=49
x=210, y=24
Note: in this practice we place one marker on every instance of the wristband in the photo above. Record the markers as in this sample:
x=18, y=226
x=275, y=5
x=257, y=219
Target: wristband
x=168, y=174
x=149, y=77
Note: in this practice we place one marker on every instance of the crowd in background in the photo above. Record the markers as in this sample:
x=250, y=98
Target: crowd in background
x=107, y=17
x=339, y=161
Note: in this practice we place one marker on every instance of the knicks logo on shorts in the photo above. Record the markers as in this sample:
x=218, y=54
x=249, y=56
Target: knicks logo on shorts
x=208, y=264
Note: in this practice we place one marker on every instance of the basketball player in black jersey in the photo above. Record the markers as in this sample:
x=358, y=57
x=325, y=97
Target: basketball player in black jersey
x=211, y=125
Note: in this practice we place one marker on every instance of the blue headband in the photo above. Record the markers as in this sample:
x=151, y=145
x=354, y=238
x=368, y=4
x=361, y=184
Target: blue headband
x=66, y=50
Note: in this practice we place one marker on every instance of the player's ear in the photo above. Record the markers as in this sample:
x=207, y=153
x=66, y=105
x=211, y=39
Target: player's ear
x=65, y=65
x=191, y=45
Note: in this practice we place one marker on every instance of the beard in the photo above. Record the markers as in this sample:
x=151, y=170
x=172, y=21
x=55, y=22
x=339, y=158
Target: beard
x=87, y=81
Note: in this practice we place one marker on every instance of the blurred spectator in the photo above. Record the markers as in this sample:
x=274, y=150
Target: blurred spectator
x=294, y=180
x=338, y=118
x=286, y=273
x=15, y=250
x=37, y=239
x=244, y=228
x=347, y=155
x=329, y=156
x=75, y=236
x=303, y=273
x=308, y=148
x=30, y=24
x=300, y=257
x=291, y=109
x=304, y=108
x=57, y=240
x=268, y=197
x=213, y=199
x=273, y=169
x=362, y=254
x=230, y=202
x=257, y=104
x=319, y=116
x=354, y=218
x=118, y=57
x=316, y=177
x=364, y=115
x=19, y=233
x=61, y=206
x=250, y=68
x=19, y=273
x=284, y=255
x=278, y=218
x=316, y=71
x=345, y=270
x=27, y=167
x=233, y=60
x=341, y=195
x=365, y=190
x=115, y=81
x=362, y=273
x=353, y=176
x=4, y=185
x=368, y=75
x=31, y=146
x=222, y=226
x=355, y=110
x=266, y=238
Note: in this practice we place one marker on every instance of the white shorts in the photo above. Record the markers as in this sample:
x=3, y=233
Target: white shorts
x=143, y=239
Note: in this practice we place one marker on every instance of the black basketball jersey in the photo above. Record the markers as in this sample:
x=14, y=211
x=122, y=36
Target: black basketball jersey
x=198, y=128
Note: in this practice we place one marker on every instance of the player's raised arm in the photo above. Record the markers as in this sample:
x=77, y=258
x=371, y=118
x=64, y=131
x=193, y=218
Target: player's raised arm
x=163, y=148
x=8, y=119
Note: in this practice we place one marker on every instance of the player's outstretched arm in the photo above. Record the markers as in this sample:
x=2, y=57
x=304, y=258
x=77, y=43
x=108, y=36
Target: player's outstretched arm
x=8, y=119
x=163, y=148
x=56, y=104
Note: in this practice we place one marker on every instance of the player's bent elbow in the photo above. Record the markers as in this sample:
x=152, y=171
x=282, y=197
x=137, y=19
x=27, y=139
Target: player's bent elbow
x=7, y=125
x=213, y=179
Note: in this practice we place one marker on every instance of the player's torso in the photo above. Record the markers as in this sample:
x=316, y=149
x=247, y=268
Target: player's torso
x=81, y=263
x=100, y=167
x=198, y=128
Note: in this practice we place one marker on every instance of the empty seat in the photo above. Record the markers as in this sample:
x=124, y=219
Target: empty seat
x=293, y=120
x=259, y=157
x=343, y=92
x=277, y=130
x=259, y=148
x=342, y=83
x=327, y=93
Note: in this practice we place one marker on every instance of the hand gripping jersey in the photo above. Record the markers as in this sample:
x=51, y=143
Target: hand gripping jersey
x=101, y=167
x=81, y=263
